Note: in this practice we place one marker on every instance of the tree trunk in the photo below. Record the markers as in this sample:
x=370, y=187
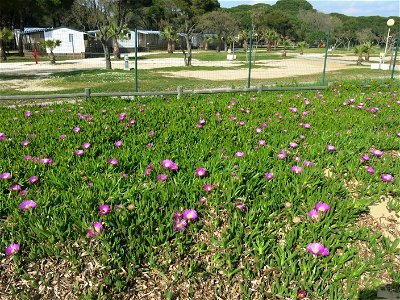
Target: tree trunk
x=170, y=46
x=225, y=45
x=366, y=56
x=206, y=45
x=52, y=57
x=284, y=53
x=107, y=55
x=188, y=56
x=20, y=38
x=2, y=51
x=359, y=60
x=116, y=52
x=301, y=52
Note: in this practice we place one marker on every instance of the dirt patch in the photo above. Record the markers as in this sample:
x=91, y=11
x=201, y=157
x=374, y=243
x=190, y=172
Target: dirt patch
x=25, y=85
x=270, y=69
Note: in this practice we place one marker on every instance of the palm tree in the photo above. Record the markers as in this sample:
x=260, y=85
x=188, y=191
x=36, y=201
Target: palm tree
x=302, y=46
x=359, y=51
x=270, y=37
x=5, y=35
x=207, y=39
x=118, y=34
x=244, y=35
x=285, y=44
x=50, y=44
x=170, y=35
x=367, y=49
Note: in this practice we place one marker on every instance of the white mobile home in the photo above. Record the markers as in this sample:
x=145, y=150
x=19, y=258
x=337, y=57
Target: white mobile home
x=73, y=42
x=147, y=40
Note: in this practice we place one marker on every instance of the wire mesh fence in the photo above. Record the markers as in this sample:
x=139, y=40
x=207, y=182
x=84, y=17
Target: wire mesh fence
x=148, y=69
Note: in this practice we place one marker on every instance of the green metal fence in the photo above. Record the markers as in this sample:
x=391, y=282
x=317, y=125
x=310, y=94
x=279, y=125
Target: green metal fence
x=159, y=72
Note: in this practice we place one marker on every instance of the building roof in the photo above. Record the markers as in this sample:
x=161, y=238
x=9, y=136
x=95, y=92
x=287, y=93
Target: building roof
x=28, y=30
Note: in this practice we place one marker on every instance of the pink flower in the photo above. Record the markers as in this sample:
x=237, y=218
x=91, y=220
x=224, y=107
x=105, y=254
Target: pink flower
x=5, y=176
x=207, y=187
x=387, y=177
x=118, y=143
x=322, y=207
x=293, y=145
x=296, y=169
x=370, y=170
x=76, y=130
x=169, y=164
x=269, y=176
x=180, y=224
x=33, y=179
x=200, y=172
x=377, y=152
x=162, y=177
x=25, y=143
x=113, y=161
x=239, y=154
x=12, y=249
x=330, y=148
x=86, y=145
x=79, y=152
x=104, y=209
x=317, y=249
x=189, y=214
x=313, y=214
x=241, y=206
x=27, y=205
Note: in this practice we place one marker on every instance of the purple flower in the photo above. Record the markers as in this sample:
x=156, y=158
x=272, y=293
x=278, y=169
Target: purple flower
x=281, y=156
x=313, y=214
x=317, y=249
x=118, y=143
x=387, y=177
x=169, y=164
x=301, y=295
x=46, y=161
x=200, y=172
x=33, y=179
x=97, y=227
x=189, y=214
x=330, y=148
x=364, y=157
x=269, y=176
x=202, y=122
x=104, y=209
x=151, y=132
x=122, y=116
x=12, y=249
x=296, y=169
x=62, y=136
x=79, y=152
x=76, y=130
x=307, y=126
x=162, y=177
x=207, y=187
x=322, y=207
x=177, y=215
x=15, y=187
x=27, y=157
x=293, y=145
x=308, y=163
x=5, y=176
x=27, y=205
x=86, y=145
x=239, y=154
x=180, y=224
x=23, y=192
x=113, y=161
x=258, y=130
x=370, y=170
x=25, y=143
x=261, y=142
x=241, y=206
x=124, y=175
x=377, y=152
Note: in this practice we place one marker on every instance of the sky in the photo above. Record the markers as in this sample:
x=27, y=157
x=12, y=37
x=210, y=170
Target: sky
x=383, y=8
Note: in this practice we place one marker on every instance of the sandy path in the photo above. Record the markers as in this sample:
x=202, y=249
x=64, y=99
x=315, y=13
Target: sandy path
x=270, y=69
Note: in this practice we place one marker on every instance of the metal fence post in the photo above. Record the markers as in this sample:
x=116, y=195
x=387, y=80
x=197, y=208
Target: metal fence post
x=326, y=56
x=136, y=70
x=251, y=49
x=395, y=54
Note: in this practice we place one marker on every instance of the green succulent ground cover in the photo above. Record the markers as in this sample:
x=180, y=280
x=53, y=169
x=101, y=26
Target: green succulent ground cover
x=261, y=249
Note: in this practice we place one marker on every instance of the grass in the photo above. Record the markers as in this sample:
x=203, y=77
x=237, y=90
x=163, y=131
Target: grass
x=255, y=253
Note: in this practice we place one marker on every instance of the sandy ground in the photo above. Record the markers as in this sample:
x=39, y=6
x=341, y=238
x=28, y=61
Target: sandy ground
x=307, y=64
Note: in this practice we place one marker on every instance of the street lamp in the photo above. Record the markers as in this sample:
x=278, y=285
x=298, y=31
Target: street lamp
x=389, y=23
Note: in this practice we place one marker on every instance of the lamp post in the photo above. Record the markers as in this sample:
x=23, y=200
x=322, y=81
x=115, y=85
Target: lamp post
x=389, y=23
